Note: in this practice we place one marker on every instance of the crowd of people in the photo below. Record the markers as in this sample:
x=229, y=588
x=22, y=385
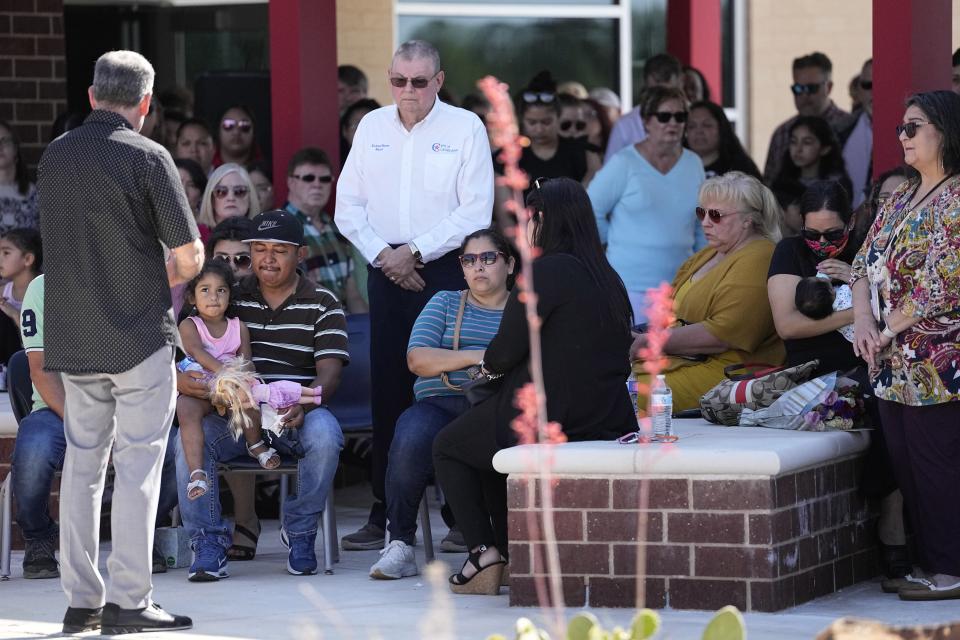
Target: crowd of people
x=810, y=260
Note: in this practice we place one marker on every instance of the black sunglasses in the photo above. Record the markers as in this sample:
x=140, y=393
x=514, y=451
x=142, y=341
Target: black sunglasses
x=538, y=96
x=830, y=236
x=222, y=191
x=811, y=87
x=715, y=214
x=909, y=128
x=310, y=177
x=418, y=83
x=241, y=261
x=467, y=260
x=866, y=85
x=579, y=125
x=663, y=117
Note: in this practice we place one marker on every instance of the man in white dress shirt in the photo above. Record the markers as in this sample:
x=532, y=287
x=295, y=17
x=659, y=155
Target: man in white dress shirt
x=419, y=178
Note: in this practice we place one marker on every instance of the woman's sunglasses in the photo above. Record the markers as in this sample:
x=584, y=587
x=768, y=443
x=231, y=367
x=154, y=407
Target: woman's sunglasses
x=909, y=128
x=241, y=261
x=545, y=97
x=579, y=125
x=229, y=124
x=221, y=191
x=487, y=258
x=715, y=214
x=663, y=117
x=830, y=236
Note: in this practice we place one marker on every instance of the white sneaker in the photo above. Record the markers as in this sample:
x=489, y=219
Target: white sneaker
x=396, y=561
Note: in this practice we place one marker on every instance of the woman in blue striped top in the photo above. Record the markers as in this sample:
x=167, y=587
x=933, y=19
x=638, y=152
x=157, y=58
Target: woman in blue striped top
x=488, y=264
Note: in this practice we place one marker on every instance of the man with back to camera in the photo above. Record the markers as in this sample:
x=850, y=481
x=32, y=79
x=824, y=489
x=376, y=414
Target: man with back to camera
x=419, y=179
x=110, y=202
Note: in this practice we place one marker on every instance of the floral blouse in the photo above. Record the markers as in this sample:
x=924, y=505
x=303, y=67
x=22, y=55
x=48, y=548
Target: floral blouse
x=912, y=260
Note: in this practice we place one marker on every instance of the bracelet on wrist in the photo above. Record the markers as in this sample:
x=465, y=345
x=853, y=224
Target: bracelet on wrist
x=888, y=332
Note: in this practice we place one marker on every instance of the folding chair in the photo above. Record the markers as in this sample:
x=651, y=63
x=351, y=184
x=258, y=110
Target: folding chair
x=21, y=401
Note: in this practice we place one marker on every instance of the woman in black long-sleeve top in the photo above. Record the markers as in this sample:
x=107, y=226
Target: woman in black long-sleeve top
x=585, y=337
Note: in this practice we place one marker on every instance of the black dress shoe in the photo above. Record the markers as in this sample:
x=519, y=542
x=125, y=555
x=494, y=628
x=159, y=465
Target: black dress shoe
x=117, y=621
x=78, y=620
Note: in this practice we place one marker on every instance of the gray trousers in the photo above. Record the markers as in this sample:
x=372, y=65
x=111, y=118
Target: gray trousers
x=131, y=413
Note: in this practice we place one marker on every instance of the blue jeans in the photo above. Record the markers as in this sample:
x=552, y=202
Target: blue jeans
x=321, y=439
x=410, y=464
x=38, y=455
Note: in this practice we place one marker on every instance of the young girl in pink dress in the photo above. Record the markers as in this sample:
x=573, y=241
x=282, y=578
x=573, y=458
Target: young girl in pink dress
x=210, y=339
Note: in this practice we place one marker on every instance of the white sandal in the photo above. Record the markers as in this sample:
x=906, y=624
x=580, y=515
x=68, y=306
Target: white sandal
x=199, y=483
x=265, y=457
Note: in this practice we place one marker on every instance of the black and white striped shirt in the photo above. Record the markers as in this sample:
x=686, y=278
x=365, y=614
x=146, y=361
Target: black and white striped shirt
x=287, y=341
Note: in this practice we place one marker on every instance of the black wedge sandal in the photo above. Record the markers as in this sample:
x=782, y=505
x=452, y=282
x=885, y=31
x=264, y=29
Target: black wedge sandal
x=486, y=581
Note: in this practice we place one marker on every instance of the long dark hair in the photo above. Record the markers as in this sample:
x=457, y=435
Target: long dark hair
x=563, y=222
x=501, y=243
x=830, y=165
x=732, y=155
x=20, y=175
x=942, y=109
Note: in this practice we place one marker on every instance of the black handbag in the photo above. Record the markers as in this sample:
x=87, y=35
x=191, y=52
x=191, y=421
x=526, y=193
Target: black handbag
x=481, y=385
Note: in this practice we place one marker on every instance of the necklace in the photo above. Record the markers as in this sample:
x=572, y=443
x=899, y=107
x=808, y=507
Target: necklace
x=927, y=194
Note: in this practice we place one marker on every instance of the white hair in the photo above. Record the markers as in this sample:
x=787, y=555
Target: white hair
x=122, y=78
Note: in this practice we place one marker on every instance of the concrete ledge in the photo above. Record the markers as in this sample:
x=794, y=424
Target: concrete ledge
x=761, y=518
x=703, y=449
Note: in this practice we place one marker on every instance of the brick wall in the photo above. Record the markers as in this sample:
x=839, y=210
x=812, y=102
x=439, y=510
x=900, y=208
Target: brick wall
x=33, y=83
x=365, y=40
x=761, y=544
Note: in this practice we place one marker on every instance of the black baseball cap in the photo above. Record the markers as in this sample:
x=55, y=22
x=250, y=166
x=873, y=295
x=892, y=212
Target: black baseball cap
x=276, y=226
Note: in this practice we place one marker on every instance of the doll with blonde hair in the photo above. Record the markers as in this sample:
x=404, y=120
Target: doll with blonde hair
x=235, y=388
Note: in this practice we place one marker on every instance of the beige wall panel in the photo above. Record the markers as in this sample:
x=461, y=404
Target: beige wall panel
x=781, y=30
x=365, y=39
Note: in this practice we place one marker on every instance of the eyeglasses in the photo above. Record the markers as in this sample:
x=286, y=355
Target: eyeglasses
x=810, y=87
x=578, y=125
x=222, y=191
x=418, y=83
x=663, y=117
x=909, y=128
x=229, y=124
x=715, y=214
x=830, y=236
x=310, y=177
x=487, y=258
x=241, y=261
x=866, y=85
x=538, y=96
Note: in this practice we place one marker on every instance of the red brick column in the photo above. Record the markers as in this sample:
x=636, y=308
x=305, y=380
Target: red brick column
x=33, y=75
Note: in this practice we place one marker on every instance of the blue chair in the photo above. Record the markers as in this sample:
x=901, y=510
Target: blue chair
x=351, y=404
x=21, y=401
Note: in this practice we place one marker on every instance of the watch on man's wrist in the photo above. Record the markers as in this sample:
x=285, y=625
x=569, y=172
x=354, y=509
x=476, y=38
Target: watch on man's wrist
x=887, y=331
x=416, y=252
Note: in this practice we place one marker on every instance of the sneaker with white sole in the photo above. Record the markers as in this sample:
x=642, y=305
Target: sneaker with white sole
x=209, y=562
x=396, y=561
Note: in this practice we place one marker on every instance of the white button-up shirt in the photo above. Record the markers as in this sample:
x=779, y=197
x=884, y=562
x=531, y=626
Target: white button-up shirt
x=432, y=185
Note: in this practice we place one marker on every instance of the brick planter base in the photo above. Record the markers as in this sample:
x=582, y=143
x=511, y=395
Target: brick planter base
x=761, y=544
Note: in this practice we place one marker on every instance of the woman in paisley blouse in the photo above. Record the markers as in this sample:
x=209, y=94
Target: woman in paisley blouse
x=906, y=287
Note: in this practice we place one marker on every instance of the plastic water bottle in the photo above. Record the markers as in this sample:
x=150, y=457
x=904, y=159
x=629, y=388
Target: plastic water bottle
x=632, y=390
x=661, y=408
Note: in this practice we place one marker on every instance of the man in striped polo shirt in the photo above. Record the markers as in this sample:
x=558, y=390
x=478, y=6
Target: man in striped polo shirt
x=297, y=332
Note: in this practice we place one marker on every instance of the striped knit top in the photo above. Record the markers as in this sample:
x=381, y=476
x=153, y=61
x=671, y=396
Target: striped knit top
x=434, y=328
x=287, y=341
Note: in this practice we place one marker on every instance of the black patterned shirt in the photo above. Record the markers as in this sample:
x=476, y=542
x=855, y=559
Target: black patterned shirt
x=108, y=198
